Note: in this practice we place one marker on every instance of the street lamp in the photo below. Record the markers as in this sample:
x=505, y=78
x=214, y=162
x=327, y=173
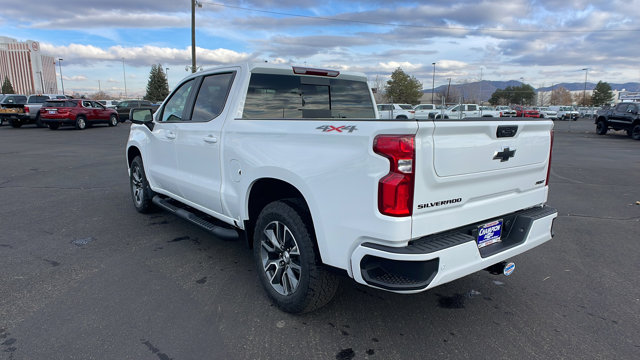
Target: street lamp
x=124, y=76
x=584, y=92
x=60, y=66
x=193, y=33
x=433, y=81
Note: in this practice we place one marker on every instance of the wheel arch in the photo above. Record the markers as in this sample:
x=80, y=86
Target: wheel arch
x=266, y=190
x=132, y=152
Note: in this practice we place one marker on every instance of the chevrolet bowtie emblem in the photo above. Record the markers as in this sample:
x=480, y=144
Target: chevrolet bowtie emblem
x=504, y=155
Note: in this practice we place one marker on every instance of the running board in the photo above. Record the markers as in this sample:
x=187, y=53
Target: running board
x=218, y=231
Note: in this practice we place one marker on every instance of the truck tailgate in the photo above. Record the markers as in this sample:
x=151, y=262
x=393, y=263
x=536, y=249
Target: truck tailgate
x=472, y=170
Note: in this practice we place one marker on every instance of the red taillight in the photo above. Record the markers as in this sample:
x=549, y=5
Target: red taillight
x=549, y=166
x=317, y=72
x=26, y=109
x=395, y=190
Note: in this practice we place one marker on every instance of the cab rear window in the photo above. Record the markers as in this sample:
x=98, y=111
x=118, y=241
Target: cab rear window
x=273, y=96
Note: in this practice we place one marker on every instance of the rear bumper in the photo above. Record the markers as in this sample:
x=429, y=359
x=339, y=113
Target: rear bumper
x=437, y=259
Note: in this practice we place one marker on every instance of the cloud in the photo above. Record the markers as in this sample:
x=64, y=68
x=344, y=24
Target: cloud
x=75, y=78
x=143, y=55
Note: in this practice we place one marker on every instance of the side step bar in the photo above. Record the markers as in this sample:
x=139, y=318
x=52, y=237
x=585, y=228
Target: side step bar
x=218, y=231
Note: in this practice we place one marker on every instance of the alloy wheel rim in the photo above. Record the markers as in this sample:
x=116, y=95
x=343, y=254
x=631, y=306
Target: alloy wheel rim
x=136, y=185
x=280, y=257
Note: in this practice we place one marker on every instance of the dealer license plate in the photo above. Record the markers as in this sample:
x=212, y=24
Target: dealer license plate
x=489, y=233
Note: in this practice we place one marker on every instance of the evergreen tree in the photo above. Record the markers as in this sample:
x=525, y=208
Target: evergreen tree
x=7, y=88
x=521, y=95
x=403, y=89
x=157, y=87
x=602, y=94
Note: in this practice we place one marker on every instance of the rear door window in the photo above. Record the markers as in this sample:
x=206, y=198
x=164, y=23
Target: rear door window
x=212, y=96
x=272, y=96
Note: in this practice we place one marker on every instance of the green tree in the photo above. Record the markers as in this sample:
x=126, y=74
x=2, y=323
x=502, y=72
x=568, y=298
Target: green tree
x=7, y=88
x=157, y=87
x=522, y=95
x=403, y=89
x=602, y=94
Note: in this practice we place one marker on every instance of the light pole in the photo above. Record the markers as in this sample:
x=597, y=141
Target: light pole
x=433, y=81
x=584, y=92
x=193, y=33
x=124, y=76
x=167, y=73
x=60, y=66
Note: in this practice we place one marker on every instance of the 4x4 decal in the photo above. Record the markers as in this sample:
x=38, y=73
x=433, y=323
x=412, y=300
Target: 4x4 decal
x=343, y=128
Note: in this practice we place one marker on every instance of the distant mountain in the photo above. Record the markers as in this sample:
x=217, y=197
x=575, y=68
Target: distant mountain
x=485, y=88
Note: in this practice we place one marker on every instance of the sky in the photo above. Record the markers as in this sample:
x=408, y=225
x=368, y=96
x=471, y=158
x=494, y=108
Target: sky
x=539, y=42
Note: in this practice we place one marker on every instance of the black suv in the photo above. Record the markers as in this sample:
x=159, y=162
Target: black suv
x=624, y=116
x=125, y=106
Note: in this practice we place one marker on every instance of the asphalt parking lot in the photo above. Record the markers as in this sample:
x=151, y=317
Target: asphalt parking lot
x=84, y=276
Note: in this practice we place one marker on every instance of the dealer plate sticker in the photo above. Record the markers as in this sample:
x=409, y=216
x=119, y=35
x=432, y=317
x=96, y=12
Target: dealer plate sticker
x=489, y=233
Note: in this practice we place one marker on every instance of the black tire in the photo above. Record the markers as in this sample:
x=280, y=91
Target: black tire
x=401, y=117
x=81, y=122
x=635, y=132
x=15, y=123
x=113, y=120
x=601, y=127
x=141, y=192
x=54, y=126
x=38, y=121
x=287, y=263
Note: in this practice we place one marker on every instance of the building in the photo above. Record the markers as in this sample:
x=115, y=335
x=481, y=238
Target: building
x=29, y=71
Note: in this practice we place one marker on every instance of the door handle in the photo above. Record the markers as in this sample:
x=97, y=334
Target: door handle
x=210, y=139
x=170, y=135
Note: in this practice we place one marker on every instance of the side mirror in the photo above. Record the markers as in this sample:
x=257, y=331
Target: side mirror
x=142, y=116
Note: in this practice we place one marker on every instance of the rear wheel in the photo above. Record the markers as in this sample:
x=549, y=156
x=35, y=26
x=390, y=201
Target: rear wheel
x=15, y=123
x=81, y=123
x=401, y=117
x=601, y=127
x=113, y=120
x=635, y=132
x=286, y=259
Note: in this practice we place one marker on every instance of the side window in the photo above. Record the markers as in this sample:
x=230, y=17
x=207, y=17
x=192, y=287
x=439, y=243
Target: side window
x=86, y=104
x=212, y=96
x=175, y=106
x=387, y=107
x=98, y=105
x=621, y=107
x=473, y=107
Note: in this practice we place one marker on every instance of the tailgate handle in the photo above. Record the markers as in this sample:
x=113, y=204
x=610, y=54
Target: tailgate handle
x=506, y=131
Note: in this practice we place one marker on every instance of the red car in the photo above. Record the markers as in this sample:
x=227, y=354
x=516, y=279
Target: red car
x=77, y=112
x=526, y=112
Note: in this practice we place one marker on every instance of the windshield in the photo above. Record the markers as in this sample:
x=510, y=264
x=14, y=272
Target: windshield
x=406, y=107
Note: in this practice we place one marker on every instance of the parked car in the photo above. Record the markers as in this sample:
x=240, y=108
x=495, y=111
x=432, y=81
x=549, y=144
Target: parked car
x=423, y=110
x=76, y=112
x=123, y=107
x=111, y=104
x=565, y=112
x=624, y=116
x=545, y=112
x=396, y=111
x=12, y=109
x=506, y=111
x=463, y=111
x=522, y=111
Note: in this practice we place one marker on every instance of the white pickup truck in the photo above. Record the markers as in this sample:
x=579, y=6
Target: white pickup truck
x=463, y=111
x=295, y=162
x=396, y=111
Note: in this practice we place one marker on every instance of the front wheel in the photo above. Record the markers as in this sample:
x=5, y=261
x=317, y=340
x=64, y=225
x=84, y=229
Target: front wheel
x=286, y=260
x=141, y=192
x=635, y=132
x=601, y=127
